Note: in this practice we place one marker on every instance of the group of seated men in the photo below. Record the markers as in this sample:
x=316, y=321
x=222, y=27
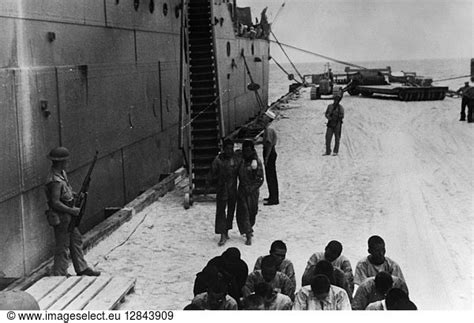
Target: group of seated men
x=328, y=282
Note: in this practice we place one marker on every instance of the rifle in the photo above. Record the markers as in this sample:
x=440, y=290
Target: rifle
x=81, y=199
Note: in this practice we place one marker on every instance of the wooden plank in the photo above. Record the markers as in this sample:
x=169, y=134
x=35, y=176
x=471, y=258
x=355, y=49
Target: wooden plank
x=81, y=301
x=44, y=286
x=72, y=293
x=58, y=292
x=110, y=296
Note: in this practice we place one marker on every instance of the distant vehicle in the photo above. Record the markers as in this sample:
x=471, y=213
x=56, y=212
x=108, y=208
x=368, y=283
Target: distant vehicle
x=376, y=81
x=322, y=84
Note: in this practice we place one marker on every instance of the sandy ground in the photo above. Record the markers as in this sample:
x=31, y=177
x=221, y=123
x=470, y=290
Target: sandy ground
x=405, y=172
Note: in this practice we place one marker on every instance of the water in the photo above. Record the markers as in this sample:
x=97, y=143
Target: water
x=434, y=68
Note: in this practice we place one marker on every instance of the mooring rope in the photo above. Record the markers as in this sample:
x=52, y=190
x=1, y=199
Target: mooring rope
x=205, y=109
x=281, y=67
x=278, y=12
x=284, y=52
x=454, y=78
x=319, y=55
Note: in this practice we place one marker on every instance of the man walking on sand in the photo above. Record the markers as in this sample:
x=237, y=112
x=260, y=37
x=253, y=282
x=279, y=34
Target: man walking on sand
x=269, y=158
x=223, y=172
x=334, y=114
x=250, y=174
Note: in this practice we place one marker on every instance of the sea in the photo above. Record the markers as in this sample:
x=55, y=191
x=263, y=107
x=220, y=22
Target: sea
x=437, y=69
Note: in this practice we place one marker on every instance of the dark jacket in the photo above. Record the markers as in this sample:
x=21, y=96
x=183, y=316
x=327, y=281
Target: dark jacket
x=235, y=274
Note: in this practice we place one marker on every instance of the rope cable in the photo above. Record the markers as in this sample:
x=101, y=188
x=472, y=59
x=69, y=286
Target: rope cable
x=453, y=78
x=257, y=95
x=281, y=67
x=319, y=55
x=346, y=63
x=203, y=110
x=284, y=52
x=279, y=11
x=106, y=256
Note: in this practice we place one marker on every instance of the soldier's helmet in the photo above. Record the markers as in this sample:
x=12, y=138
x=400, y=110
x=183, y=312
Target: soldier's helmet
x=58, y=154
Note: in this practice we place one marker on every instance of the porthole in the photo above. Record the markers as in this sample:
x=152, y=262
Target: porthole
x=176, y=11
x=228, y=49
x=136, y=4
x=151, y=6
x=117, y=1
x=253, y=50
x=165, y=9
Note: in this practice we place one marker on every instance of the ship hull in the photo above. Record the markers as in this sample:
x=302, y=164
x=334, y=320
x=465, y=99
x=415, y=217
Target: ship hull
x=99, y=75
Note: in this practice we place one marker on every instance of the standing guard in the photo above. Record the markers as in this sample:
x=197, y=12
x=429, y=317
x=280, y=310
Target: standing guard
x=334, y=114
x=60, y=213
x=464, y=100
x=269, y=158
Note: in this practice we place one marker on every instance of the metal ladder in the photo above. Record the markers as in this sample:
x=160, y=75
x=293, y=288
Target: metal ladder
x=204, y=96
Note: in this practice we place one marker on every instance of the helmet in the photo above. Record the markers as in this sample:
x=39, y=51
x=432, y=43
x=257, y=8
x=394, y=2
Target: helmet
x=58, y=154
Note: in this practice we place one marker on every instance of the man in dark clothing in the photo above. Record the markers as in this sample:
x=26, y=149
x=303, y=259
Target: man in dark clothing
x=334, y=114
x=464, y=100
x=375, y=289
x=269, y=159
x=469, y=94
x=228, y=267
x=396, y=299
x=250, y=179
x=224, y=170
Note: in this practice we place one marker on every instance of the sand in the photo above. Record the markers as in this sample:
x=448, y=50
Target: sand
x=404, y=172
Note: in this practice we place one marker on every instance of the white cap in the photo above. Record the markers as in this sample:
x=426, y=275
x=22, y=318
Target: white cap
x=270, y=114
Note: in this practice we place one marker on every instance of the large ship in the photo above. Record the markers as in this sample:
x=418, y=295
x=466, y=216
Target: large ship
x=152, y=85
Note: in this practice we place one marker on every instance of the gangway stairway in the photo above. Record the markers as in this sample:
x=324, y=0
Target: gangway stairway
x=205, y=132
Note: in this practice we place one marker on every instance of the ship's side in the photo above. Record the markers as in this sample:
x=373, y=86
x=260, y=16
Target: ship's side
x=237, y=101
x=228, y=78
x=101, y=75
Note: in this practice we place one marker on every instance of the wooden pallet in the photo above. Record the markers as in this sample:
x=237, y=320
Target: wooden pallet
x=81, y=292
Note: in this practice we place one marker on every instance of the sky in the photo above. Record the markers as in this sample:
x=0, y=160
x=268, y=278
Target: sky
x=368, y=30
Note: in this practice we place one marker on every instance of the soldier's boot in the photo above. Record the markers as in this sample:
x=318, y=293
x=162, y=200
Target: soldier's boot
x=222, y=240
x=248, y=242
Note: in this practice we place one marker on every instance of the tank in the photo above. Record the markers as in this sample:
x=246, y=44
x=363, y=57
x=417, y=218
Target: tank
x=411, y=87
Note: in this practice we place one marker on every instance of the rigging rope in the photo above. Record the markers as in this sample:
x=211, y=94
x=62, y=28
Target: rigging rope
x=279, y=11
x=453, y=78
x=316, y=54
x=301, y=77
x=212, y=104
x=281, y=67
x=259, y=99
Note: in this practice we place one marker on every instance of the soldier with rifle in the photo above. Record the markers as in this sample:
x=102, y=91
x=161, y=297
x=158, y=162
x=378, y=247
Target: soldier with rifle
x=65, y=211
